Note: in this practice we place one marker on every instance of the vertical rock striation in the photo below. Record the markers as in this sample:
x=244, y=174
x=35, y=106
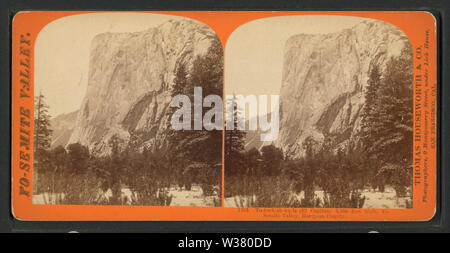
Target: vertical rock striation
x=324, y=80
x=130, y=79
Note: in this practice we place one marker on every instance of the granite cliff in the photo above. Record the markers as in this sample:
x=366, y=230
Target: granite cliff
x=62, y=126
x=324, y=80
x=130, y=79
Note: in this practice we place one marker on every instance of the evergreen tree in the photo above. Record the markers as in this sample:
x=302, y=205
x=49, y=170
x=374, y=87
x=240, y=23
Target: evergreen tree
x=310, y=166
x=194, y=146
x=207, y=72
x=370, y=126
x=272, y=157
x=180, y=85
x=59, y=164
x=42, y=130
x=252, y=161
x=116, y=166
x=234, y=141
x=77, y=159
x=42, y=139
x=387, y=123
x=396, y=121
x=369, y=113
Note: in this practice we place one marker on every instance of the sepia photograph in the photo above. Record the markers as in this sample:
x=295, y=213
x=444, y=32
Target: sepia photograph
x=319, y=114
x=103, y=111
x=224, y=116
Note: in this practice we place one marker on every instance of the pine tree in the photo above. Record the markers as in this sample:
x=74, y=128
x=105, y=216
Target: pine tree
x=396, y=121
x=78, y=159
x=370, y=126
x=42, y=130
x=272, y=157
x=193, y=146
x=42, y=139
x=369, y=113
x=180, y=81
x=252, y=159
x=116, y=166
x=59, y=162
x=234, y=141
x=388, y=120
x=207, y=72
x=310, y=168
x=180, y=87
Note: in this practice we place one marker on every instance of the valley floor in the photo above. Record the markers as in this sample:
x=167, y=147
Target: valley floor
x=374, y=199
x=195, y=197
x=180, y=197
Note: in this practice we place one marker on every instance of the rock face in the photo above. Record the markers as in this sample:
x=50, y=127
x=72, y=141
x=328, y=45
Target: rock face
x=62, y=126
x=130, y=79
x=324, y=80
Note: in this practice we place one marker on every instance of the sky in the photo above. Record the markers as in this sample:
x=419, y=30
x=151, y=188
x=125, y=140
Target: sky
x=62, y=53
x=254, y=51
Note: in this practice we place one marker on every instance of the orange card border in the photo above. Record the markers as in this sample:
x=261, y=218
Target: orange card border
x=412, y=23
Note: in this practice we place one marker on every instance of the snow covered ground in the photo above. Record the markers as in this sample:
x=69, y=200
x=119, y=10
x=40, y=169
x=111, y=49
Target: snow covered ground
x=194, y=197
x=386, y=199
x=374, y=199
x=180, y=197
x=46, y=198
